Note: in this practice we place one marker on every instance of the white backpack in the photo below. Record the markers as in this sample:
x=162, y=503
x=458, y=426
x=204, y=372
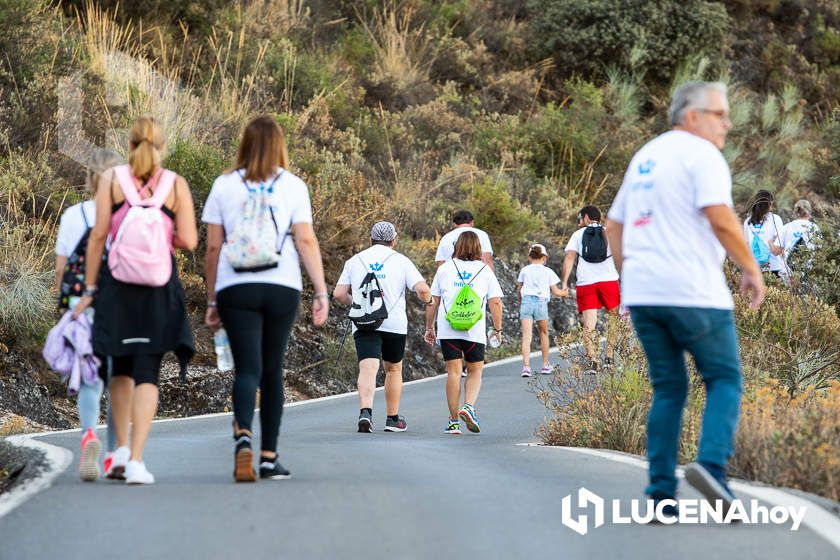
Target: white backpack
x=252, y=245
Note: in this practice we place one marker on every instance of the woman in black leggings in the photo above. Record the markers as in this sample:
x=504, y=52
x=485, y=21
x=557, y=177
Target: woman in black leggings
x=259, y=228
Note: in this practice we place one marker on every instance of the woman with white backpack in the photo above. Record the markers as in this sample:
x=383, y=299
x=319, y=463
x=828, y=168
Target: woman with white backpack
x=259, y=228
x=145, y=212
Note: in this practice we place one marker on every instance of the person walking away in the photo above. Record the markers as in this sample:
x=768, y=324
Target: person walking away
x=799, y=237
x=670, y=227
x=536, y=284
x=374, y=282
x=71, y=245
x=147, y=212
x=763, y=230
x=596, y=281
x=259, y=228
x=463, y=220
x=463, y=287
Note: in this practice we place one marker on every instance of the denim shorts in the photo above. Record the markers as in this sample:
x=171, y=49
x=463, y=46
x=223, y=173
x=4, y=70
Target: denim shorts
x=533, y=307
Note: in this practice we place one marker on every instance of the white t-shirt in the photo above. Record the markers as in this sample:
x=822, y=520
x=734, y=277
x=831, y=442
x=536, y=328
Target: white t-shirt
x=796, y=230
x=536, y=280
x=671, y=255
x=446, y=248
x=72, y=226
x=770, y=231
x=448, y=283
x=587, y=272
x=395, y=272
x=290, y=202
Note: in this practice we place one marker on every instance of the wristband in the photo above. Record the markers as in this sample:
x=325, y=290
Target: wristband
x=320, y=295
x=90, y=291
x=211, y=303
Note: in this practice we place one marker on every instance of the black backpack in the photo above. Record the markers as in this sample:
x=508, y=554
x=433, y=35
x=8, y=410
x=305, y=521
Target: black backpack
x=368, y=310
x=594, y=244
x=73, y=275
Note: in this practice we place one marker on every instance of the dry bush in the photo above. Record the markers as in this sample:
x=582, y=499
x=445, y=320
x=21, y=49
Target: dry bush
x=790, y=442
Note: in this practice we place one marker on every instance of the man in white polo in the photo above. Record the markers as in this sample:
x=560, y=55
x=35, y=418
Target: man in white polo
x=394, y=273
x=670, y=228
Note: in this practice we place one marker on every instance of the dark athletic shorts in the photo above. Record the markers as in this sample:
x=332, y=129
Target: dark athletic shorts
x=380, y=345
x=457, y=349
x=143, y=368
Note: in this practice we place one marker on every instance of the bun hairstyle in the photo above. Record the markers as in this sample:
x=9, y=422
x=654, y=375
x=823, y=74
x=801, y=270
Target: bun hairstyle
x=760, y=206
x=145, y=144
x=100, y=161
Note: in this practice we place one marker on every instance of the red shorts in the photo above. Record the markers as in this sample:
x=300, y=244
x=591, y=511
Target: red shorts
x=598, y=295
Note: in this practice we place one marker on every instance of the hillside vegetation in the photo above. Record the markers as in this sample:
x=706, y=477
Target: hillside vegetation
x=522, y=111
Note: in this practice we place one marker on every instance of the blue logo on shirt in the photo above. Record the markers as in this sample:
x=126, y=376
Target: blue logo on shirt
x=465, y=275
x=376, y=267
x=646, y=167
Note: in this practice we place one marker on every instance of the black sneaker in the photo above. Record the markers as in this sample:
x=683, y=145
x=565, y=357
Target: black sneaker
x=365, y=422
x=397, y=425
x=669, y=511
x=590, y=366
x=273, y=470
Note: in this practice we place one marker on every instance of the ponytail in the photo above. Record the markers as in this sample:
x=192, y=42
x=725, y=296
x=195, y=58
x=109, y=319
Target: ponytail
x=145, y=143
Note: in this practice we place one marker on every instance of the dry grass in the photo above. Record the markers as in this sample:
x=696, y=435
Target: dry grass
x=403, y=53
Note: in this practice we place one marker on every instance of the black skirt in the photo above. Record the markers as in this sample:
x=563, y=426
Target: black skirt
x=132, y=320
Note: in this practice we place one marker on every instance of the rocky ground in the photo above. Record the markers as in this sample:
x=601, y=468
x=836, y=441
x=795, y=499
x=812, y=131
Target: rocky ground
x=32, y=399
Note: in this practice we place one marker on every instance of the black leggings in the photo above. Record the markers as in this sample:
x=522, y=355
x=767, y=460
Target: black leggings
x=258, y=319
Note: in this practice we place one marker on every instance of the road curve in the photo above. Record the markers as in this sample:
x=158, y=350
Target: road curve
x=419, y=494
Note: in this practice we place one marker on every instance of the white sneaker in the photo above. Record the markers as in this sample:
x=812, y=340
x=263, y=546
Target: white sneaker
x=136, y=473
x=119, y=459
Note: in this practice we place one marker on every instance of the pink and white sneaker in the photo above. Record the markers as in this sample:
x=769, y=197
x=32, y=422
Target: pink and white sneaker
x=546, y=370
x=106, y=462
x=89, y=460
x=526, y=371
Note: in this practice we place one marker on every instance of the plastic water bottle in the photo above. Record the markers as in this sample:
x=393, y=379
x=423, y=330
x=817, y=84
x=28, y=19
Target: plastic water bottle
x=224, y=357
x=494, y=339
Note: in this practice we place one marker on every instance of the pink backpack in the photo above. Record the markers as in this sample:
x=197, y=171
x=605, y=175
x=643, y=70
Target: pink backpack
x=140, y=250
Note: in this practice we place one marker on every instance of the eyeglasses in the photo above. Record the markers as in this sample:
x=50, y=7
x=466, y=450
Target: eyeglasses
x=719, y=113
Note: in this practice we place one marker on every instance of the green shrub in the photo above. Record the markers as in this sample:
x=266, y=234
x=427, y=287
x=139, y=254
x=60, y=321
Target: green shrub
x=509, y=224
x=590, y=35
x=199, y=164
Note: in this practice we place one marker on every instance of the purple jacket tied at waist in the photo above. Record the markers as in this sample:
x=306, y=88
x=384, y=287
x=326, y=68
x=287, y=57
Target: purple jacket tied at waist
x=69, y=351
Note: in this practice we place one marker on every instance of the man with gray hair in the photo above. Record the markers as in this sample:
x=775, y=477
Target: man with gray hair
x=670, y=228
x=373, y=282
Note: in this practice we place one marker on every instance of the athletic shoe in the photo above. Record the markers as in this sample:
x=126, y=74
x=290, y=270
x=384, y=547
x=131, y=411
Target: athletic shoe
x=464, y=370
x=668, y=511
x=468, y=415
x=397, y=425
x=526, y=371
x=546, y=370
x=453, y=427
x=136, y=473
x=243, y=460
x=89, y=460
x=709, y=483
x=273, y=470
x=365, y=422
x=119, y=460
x=106, y=463
x=590, y=366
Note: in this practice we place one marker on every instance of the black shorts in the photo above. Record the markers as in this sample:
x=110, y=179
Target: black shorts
x=457, y=349
x=142, y=368
x=380, y=345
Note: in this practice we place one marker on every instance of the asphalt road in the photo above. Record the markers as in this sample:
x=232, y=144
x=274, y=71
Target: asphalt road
x=419, y=494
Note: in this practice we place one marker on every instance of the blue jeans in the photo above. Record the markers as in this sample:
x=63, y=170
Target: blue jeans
x=667, y=333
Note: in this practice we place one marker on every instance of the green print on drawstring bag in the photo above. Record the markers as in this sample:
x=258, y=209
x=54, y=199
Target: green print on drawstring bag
x=252, y=245
x=466, y=310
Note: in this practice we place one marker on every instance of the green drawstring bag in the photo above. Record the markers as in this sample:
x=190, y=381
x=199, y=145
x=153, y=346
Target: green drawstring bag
x=466, y=309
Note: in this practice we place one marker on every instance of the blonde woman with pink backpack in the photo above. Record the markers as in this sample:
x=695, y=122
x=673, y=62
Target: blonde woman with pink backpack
x=145, y=212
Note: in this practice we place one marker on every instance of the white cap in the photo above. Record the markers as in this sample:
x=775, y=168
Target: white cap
x=540, y=247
